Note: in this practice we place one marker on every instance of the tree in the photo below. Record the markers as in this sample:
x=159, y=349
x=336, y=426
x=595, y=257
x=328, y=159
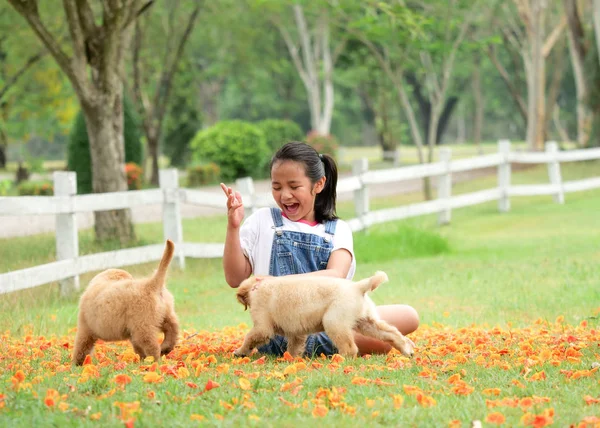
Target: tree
x=526, y=35
x=578, y=49
x=14, y=65
x=313, y=57
x=94, y=64
x=152, y=82
x=417, y=51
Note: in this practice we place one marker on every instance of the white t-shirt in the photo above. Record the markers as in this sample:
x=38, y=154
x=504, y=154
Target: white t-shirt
x=256, y=236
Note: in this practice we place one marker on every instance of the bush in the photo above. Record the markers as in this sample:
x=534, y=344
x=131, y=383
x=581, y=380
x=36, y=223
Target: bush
x=35, y=188
x=134, y=176
x=5, y=186
x=78, y=150
x=324, y=144
x=238, y=148
x=397, y=241
x=200, y=175
x=280, y=131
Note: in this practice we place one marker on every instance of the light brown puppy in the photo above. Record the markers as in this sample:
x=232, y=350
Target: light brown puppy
x=295, y=307
x=115, y=306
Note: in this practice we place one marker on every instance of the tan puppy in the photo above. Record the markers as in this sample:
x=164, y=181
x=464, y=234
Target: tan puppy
x=295, y=307
x=115, y=306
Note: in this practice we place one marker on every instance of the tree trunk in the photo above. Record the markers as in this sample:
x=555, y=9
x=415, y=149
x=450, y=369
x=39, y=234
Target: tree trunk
x=461, y=125
x=3, y=146
x=315, y=52
x=108, y=166
x=564, y=136
x=153, y=144
x=2, y=156
x=596, y=19
x=209, y=101
x=578, y=52
x=478, y=100
x=536, y=80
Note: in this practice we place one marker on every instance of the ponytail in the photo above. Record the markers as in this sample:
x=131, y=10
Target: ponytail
x=325, y=201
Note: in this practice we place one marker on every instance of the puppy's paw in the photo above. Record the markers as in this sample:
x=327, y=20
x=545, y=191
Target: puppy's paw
x=407, y=347
x=239, y=353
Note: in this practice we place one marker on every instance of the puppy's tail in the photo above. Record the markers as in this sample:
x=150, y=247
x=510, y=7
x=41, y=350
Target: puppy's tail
x=158, y=279
x=243, y=292
x=371, y=283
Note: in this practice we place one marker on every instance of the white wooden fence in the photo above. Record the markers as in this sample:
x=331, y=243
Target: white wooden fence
x=66, y=203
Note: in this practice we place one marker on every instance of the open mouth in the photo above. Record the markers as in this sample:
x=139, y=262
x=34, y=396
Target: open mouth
x=291, y=209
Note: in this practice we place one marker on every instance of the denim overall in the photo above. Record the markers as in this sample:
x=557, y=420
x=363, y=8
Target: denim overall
x=293, y=253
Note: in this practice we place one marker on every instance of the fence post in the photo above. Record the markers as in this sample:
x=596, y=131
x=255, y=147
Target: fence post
x=504, y=171
x=245, y=186
x=172, y=228
x=554, y=172
x=361, y=196
x=67, y=240
x=445, y=186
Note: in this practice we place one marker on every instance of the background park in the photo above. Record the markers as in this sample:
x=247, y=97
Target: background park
x=507, y=291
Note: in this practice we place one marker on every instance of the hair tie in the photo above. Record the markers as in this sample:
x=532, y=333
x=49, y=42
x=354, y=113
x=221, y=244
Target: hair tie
x=321, y=156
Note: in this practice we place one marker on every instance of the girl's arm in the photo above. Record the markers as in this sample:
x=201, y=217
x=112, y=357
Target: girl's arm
x=235, y=264
x=339, y=264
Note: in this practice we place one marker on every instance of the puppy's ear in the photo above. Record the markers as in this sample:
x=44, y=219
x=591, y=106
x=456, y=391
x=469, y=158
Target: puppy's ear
x=242, y=296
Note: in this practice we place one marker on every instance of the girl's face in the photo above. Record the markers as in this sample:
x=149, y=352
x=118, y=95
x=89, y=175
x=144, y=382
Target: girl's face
x=293, y=191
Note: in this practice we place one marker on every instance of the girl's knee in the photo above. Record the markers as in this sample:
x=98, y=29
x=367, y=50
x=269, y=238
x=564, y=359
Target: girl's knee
x=404, y=317
x=410, y=319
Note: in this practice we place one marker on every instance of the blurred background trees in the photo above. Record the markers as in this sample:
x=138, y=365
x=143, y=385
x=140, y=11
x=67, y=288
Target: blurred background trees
x=398, y=73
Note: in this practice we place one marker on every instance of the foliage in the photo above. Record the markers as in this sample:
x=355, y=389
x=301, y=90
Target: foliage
x=324, y=144
x=78, y=153
x=35, y=164
x=183, y=120
x=36, y=98
x=35, y=188
x=5, y=186
x=280, y=131
x=238, y=148
x=134, y=174
x=200, y=175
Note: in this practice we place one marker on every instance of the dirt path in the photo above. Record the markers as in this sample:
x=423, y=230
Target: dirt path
x=11, y=226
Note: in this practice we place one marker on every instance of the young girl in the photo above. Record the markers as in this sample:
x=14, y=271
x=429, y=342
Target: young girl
x=301, y=237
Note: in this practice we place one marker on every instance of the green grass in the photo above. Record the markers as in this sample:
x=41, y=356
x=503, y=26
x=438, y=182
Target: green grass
x=487, y=282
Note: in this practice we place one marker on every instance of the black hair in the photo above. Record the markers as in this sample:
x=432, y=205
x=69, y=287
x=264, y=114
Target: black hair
x=316, y=166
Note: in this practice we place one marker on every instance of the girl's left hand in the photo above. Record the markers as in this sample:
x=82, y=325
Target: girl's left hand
x=235, y=207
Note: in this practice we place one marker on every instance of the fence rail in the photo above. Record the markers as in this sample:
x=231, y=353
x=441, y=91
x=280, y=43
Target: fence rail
x=66, y=203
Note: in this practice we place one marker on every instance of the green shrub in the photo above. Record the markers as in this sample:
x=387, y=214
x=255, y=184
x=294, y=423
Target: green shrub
x=5, y=186
x=36, y=188
x=398, y=241
x=280, y=131
x=78, y=151
x=200, y=175
x=238, y=148
x=324, y=144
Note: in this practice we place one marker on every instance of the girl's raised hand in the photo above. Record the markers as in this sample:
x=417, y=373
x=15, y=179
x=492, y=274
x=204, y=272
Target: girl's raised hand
x=235, y=207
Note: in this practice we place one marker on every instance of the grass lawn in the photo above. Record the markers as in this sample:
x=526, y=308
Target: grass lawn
x=509, y=305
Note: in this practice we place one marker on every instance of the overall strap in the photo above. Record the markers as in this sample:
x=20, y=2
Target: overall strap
x=277, y=218
x=330, y=226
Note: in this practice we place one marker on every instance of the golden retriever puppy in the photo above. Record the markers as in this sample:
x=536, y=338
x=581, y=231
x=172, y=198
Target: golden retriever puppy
x=115, y=306
x=295, y=307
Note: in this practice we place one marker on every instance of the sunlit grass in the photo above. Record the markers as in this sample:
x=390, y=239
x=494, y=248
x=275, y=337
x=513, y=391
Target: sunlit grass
x=509, y=306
